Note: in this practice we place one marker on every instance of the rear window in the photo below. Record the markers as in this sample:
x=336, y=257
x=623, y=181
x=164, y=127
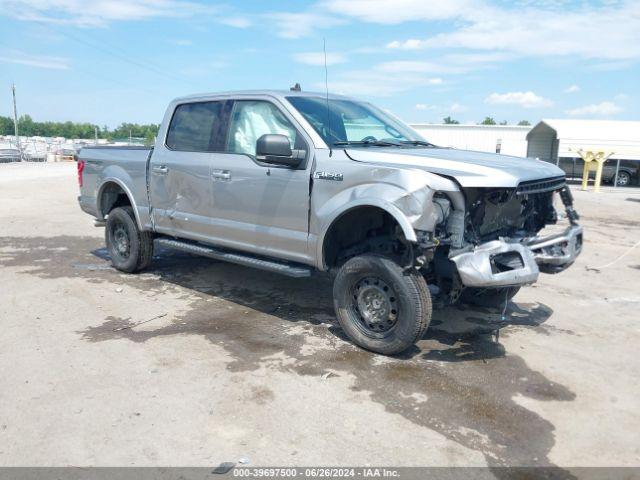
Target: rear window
x=195, y=127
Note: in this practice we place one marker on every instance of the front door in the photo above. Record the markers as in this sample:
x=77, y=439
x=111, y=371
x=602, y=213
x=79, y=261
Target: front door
x=259, y=207
x=180, y=171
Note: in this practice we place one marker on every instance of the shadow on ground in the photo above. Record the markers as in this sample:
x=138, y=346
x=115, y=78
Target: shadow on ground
x=457, y=381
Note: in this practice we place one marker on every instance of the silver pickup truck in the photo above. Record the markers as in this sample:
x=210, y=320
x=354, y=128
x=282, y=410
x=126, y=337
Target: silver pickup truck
x=293, y=182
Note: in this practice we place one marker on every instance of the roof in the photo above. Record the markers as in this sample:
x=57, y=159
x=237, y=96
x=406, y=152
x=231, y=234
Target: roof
x=472, y=125
x=271, y=93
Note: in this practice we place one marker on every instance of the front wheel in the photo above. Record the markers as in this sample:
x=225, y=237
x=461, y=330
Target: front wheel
x=130, y=249
x=379, y=306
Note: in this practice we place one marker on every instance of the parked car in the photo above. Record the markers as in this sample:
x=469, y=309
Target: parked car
x=8, y=155
x=293, y=182
x=628, y=172
x=65, y=155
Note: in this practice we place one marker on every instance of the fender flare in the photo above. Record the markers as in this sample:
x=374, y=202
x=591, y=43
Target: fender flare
x=390, y=208
x=127, y=192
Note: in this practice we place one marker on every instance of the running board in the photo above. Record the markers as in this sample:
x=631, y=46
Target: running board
x=297, y=271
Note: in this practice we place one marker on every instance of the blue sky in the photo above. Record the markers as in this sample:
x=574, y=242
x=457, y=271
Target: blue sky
x=108, y=61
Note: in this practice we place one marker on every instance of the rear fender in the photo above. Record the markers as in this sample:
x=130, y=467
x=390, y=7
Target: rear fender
x=121, y=182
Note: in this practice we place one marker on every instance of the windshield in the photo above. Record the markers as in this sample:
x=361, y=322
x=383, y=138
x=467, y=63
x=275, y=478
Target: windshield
x=347, y=122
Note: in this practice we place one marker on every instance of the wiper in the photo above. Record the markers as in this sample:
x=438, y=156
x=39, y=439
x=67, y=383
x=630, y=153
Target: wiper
x=366, y=143
x=418, y=143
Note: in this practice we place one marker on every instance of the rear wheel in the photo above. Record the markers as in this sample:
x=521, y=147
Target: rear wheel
x=488, y=297
x=624, y=179
x=379, y=306
x=130, y=249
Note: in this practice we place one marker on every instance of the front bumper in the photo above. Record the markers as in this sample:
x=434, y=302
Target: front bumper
x=500, y=263
x=557, y=252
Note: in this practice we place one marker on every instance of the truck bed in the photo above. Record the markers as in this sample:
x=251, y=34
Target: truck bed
x=125, y=166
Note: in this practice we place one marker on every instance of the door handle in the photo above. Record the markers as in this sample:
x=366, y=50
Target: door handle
x=221, y=174
x=161, y=169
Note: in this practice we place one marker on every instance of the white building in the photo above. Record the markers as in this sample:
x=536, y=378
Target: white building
x=552, y=139
x=505, y=139
x=549, y=139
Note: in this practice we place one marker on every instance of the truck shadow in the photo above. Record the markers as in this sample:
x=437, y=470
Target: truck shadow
x=458, y=381
x=464, y=332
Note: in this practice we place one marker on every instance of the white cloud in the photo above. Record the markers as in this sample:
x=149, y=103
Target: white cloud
x=317, y=58
x=457, y=108
x=100, y=13
x=46, y=62
x=297, y=25
x=610, y=66
x=602, y=109
x=411, y=44
x=237, y=22
x=537, y=30
x=376, y=82
x=453, y=108
x=477, y=59
x=523, y=99
x=418, y=66
x=386, y=79
x=572, y=89
x=399, y=11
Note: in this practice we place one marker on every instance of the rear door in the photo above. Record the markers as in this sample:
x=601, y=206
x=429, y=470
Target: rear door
x=180, y=170
x=259, y=207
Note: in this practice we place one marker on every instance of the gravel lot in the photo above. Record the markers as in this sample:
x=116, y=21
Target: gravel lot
x=197, y=362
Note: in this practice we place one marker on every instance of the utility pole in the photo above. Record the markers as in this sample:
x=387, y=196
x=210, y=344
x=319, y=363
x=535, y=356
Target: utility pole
x=129, y=136
x=15, y=118
x=96, y=131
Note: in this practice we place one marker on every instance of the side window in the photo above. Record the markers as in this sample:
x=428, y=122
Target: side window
x=253, y=118
x=195, y=127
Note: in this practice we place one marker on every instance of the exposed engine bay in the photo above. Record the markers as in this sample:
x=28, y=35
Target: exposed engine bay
x=494, y=242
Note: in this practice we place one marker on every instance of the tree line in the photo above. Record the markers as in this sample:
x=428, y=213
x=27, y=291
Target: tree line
x=28, y=127
x=486, y=121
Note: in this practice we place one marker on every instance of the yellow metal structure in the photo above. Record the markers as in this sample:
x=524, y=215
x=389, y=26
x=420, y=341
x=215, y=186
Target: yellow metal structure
x=593, y=160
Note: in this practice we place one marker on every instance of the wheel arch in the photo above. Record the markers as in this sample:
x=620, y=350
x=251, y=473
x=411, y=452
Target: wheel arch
x=106, y=201
x=371, y=204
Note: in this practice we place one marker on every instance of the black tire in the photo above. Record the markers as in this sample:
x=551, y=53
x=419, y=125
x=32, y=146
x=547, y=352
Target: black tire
x=402, y=312
x=130, y=249
x=488, y=297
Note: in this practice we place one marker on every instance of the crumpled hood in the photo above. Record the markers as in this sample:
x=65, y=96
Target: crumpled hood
x=469, y=168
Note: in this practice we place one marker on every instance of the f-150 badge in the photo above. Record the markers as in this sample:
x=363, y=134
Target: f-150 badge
x=336, y=177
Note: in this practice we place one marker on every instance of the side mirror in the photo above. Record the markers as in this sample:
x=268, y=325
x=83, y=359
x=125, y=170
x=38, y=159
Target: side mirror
x=276, y=149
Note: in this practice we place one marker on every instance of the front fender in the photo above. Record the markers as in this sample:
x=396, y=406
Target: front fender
x=330, y=218
x=406, y=196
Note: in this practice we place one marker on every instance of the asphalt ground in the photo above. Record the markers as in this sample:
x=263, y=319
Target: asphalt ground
x=196, y=362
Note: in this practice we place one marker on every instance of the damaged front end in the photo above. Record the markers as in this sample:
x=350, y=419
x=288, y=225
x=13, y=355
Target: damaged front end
x=495, y=241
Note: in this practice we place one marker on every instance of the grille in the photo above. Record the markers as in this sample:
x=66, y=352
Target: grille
x=538, y=186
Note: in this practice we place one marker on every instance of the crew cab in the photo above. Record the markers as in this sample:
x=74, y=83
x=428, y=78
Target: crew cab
x=295, y=182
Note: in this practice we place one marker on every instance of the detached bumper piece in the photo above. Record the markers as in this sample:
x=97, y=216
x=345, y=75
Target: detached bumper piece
x=557, y=252
x=497, y=264
x=500, y=264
